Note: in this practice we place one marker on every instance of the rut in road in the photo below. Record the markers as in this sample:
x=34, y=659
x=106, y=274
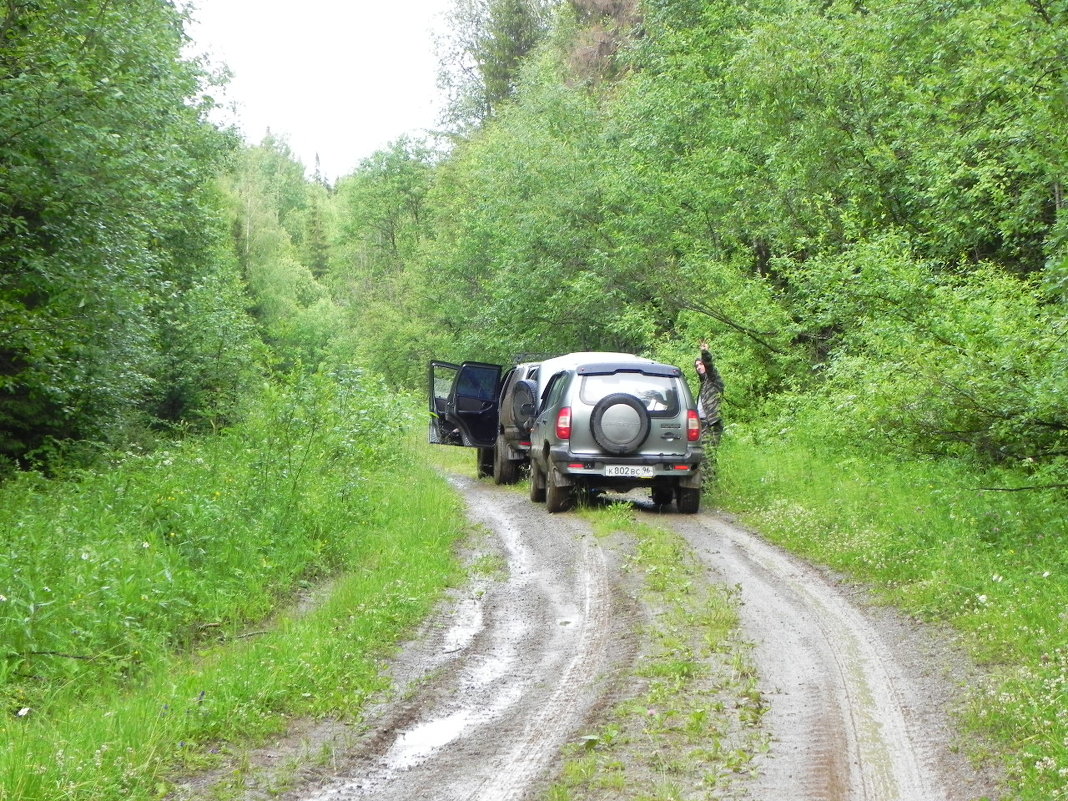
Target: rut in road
x=513, y=675
x=852, y=716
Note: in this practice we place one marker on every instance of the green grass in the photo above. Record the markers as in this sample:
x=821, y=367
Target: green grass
x=169, y=610
x=940, y=541
x=690, y=723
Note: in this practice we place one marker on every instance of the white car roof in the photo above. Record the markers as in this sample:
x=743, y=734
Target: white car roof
x=551, y=367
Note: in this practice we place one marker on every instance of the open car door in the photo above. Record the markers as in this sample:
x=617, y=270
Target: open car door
x=464, y=403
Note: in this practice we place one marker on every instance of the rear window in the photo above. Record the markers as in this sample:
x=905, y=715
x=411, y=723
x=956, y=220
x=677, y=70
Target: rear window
x=656, y=392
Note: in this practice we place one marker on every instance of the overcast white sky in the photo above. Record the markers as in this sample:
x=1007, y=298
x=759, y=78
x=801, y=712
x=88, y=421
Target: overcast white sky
x=337, y=78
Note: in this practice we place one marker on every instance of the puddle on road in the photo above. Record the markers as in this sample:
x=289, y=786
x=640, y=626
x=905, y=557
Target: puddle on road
x=415, y=745
x=490, y=670
x=466, y=624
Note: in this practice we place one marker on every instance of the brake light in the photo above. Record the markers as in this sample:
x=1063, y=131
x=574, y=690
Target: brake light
x=563, y=423
x=693, y=426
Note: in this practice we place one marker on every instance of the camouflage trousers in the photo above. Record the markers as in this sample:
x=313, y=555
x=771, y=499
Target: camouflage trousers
x=711, y=433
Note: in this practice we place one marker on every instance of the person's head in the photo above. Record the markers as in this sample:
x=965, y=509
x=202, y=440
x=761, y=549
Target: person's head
x=700, y=366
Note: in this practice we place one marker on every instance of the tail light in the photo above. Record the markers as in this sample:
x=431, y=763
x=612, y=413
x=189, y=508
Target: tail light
x=693, y=426
x=563, y=423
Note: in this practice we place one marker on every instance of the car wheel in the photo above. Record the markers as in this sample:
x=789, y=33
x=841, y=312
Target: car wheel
x=485, y=462
x=557, y=498
x=689, y=500
x=505, y=471
x=537, y=483
x=620, y=423
x=498, y=462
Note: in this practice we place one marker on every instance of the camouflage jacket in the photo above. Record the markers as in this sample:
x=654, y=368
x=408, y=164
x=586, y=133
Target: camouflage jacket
x=711, y=390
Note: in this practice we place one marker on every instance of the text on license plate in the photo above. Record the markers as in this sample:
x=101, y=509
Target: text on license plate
x=629, y=471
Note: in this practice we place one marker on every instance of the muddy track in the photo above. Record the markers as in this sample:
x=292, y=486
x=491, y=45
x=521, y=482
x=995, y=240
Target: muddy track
x=529, y=656
x=498, y=687
x=859, y=699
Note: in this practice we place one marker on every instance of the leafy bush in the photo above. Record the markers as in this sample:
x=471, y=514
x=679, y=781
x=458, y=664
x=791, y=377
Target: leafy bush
x=105, y=573
x=932, y=361
x=117, y=306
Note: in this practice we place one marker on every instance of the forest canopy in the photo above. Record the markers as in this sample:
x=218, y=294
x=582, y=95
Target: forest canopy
x=860, y=204
x=120, y=308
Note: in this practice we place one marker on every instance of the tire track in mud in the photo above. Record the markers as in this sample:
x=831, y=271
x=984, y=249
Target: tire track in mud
x=507, y=677
x=847, y=722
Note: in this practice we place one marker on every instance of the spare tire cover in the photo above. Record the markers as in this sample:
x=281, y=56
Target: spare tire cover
x=524, y=404
x=620, y=423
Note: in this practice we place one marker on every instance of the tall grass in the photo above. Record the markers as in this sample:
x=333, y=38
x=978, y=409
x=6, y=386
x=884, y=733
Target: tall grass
x=946, y=542
x=129, y=595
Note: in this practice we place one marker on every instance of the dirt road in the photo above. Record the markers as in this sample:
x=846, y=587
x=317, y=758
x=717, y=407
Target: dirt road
x=531, y=656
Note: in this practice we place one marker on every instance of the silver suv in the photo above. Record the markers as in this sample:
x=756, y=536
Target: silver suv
x=584, y=421
x=615, y=424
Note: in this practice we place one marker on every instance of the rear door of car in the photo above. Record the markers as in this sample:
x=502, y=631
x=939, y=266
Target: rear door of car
x=464, y=401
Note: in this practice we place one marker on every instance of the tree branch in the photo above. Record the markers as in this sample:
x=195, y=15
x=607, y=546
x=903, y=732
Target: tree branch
x=719, y=316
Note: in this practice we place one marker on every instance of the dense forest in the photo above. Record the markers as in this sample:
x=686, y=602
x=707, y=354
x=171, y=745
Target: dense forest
x=861, y=205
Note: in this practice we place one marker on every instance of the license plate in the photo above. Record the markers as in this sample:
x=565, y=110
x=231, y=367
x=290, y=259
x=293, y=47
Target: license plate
x=629, y=471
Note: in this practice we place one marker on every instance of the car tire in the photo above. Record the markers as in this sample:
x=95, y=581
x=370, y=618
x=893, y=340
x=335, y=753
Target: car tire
x=505, y=471
x=619, y=439
x=688, y=500
x=557, y=498
x=537, y=483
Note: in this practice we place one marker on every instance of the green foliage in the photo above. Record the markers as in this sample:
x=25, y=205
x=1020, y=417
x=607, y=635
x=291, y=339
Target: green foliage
x=482, y=55
x=109, y=231
x=280, y=223
x=104, y=574
x=837, y=199
x=930, y=361
x=186, y=548
x=391, y=316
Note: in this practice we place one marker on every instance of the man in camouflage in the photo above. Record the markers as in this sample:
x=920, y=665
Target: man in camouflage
x=708, y=403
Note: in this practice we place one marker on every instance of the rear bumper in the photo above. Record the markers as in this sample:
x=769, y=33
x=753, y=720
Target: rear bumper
x=589, y=469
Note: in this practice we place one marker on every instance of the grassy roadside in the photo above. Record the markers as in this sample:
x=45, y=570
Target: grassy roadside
x=938, y=545
x=140, y=616
x=692, y=724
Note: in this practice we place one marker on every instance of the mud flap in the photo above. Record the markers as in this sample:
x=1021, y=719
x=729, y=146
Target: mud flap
x=559, y=479
x=691, y=479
